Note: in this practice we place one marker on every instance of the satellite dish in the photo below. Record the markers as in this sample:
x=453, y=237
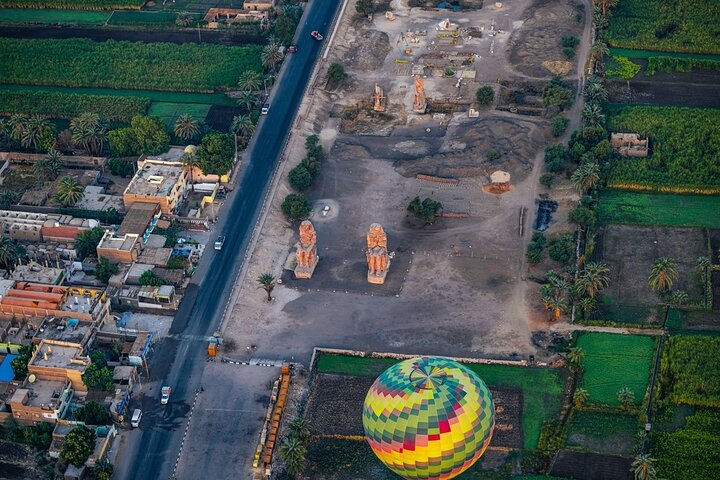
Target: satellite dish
x=31, y=378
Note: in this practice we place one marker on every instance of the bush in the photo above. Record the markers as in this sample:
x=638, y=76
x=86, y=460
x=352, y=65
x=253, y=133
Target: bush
x=570, y=42
x=569, y=53
x=364, y=7
x=80, y=62
x=547, y=179
x=79, y=445
x=552, y=437
x=108, y=217
x=583, y=216
x=146, y=135
x=148, y=278
x=425, y=209
x=622, y=68
x=121, y=168
x=216, y=153
x=690, y=371
x=98, y=378
x=71, y=105
x=300, y=178
x=559, y=125
x=561, y=248
x=336, y=73
x=296, y=207
x=534, y=253
x=493, y=155
x=674, y=64
x=558, y=92
x=104, y=269
x=19, y=364
x=555, y=157
x=92, y=413
x=485, y=95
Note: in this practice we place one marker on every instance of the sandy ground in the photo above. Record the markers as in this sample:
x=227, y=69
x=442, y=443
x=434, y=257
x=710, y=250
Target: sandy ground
x=454, y=288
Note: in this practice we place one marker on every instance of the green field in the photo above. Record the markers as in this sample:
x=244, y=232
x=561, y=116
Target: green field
x=69, y=105
x=677, y=26
x=684, y=149
x=661, y=209
x=170, y=111
x=142, y=17
x=612, y=362
x=603, y=432
x=63, y=4
x=112, y=64
x=542, y=387
x=79, y=17
x=690, y=371
x=631, y=53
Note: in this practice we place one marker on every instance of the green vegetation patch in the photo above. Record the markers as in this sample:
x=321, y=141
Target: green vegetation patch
x=170, y=111
x=604, y=432
x=662, y=209
x=612, y=362
x=69, y=105
x=630, y=53
x=117, y=64
x=542, y=387
x=685, y=149
x=63, y=4
x=671, y=64
x=691, y=452
x=79, y=17
x=678, y=26
x=690, y=371
x=141, y=17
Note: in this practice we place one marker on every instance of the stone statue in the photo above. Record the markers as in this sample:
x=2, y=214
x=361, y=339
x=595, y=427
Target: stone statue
x=377, y=254
x=306, y=251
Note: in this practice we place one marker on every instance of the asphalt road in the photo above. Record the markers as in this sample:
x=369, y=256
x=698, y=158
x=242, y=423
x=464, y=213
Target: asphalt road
x=180, y=363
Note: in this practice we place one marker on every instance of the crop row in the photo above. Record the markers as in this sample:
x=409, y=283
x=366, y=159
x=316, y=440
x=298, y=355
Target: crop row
x=81, y=4
x=117, y=64
x=690, y=371
x=685, y=145
x=670, y=64
x=678, y=26
x=69, y=105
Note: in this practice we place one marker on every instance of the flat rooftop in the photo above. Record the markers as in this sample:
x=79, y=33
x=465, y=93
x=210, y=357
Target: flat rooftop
x=47, y=297
x=58, y=356
x=122, y=242
x=154, y=180
x=174, y=154
x=58, y=329
x=138, y=217
x=42, y=393
x=35, y=272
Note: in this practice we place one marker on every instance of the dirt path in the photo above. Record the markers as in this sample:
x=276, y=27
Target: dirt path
x=565, y=327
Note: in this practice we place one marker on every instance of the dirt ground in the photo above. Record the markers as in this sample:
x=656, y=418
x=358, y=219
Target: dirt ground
x=18, y=462
x=630, y=251
x=455, y=287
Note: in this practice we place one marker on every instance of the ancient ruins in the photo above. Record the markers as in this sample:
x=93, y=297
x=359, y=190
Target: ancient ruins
x=306, y=251
x=377, y=254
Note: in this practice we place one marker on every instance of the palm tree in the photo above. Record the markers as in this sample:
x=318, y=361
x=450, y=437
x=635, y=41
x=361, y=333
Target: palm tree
x=574, y=358
x=293, y=452
x=605, y=5
x=587, y=305
x=242, y=126
x=592, y=114
x=642, y=467
x=586, y=176
x=8, y=197
x=593, y=278
x=662, y=274
x=271, y=55
x=298, y=428
x=17, y=126
x=103, y=469
x=248, y=100
x=186, y=127
x=4, y=129
x=595, y=91
x=580, y=397
x=8, y=253
x=599, y=49
x=678, y=298
x=48, y=168
x=250, y=80
x=70, y=191
x=89, y=132
x=189, y=159
x=557, y=306
x=626, y=397
x=267, y=281
x=35, y=129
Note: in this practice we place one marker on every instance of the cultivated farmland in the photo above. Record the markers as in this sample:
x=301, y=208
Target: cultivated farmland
x=679, y=26
x=661, y=209
x=79, y=17
x=611, y=433
x=82, y=4
x=685, y=145
x=690, y=371
x=69, y=105
x=113, y=64
x=612, y=362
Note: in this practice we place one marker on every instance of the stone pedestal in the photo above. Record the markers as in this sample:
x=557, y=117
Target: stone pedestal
x=377, y=255
x=306, y=251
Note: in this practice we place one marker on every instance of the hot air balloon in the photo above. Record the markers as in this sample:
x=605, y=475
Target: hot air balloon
x=428, y=418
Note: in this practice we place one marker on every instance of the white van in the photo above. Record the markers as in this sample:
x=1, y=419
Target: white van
x=265, y=108
x=137, y=415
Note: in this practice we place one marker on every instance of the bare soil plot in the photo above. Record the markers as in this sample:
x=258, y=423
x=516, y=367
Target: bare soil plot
x=590, y=466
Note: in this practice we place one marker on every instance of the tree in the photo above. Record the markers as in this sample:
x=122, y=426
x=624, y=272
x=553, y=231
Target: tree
x=150, y=135
x=267, y=282
x=105, y=269
x=606, y=5
x=570, y=41
x=8, y=198
x=587, y=305
x=626, y=397
x=122, y=142
x=284, y=27
x=248, y=99
x=19, y=364
x=296, y=207
x=89, y=132
x=8, y=253
x=593, y=278
x=242, y=126
x=299, y=429
x=336, y=73
x=663, y=273
x=186, y=127
x=586, y=176
x=216, y=153
x=598, y=52
x=642, y=467
x=574, y=357
x=678, y=298
x=534, y=254
x=561, y=248
x=189, y=160
x=16, y=124
x=583, y=216
x=184, y=19
x=300, y=178
x=35, y=133
x=293, y=452
x=98, y=357
x=103, y=469
x=557, y=92
x=98, y=378
x=79, y=445
x=271, y=55
x=87, y=241
x=69, y=192
x=485, y=95
x=559, y=125
x=364, y=7
x=426, y=209
x=250, y=80
x=149, y=278
x=555, y=157
x=595, y=91
x=48, y=168
x=92, y=413
x=580, y=397
x=547, y=179
x=592, y=114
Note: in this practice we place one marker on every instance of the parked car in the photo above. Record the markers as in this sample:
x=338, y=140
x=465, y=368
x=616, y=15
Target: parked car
x=165, y=398
x=219, y=243
x=292, y=49
x=136, y=416
x=265, y=108
x=316, y=35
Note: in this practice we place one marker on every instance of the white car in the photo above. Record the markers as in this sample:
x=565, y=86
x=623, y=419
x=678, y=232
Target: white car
x=219, y=243
x=136, y=416
x=165, y=398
